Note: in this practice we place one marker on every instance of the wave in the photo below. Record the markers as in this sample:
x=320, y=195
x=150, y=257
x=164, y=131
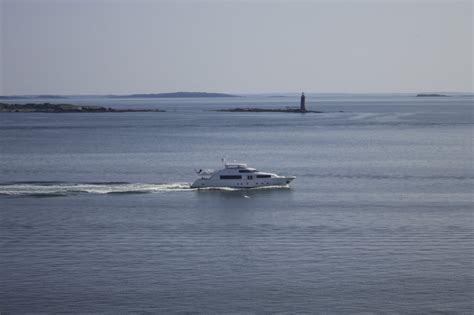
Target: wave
x=42, y=189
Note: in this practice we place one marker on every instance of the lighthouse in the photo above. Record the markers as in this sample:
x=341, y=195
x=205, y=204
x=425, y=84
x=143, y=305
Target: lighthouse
x=302, y=103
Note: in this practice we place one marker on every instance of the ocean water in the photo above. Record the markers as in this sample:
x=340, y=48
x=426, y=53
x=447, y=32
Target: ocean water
x=96, y=213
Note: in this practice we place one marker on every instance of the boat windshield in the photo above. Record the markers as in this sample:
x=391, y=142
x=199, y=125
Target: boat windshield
x=248, y=170
x=205, y=172
x=235, y=165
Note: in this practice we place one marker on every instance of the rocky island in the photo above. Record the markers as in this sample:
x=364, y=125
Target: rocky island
x=65, y=108
x=270, y=110
x=302, y=109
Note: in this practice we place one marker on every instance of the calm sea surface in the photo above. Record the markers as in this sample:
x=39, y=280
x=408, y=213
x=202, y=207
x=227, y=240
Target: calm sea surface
x=96, y=213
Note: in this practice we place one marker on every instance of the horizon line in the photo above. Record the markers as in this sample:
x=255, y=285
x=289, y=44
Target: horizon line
x=235, y=93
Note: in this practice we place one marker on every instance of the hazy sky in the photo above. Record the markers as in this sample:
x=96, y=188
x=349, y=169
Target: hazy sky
x=119, y=47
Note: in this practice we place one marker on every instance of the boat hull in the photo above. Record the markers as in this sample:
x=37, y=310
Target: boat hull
x=242, y=183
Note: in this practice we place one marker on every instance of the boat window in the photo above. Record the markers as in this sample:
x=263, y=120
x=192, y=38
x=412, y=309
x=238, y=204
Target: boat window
x=264, y=176
x=230, y=177
x=249, y=177
x=246, y=171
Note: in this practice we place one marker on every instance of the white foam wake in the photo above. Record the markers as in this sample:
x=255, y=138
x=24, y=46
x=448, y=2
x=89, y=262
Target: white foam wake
x=245, y=189
x=93, y=188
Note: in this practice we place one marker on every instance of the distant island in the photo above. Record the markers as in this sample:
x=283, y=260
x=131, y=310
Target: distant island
x=173, y=95
x=19, y=97
x=150, y=95
x=431, y=95
x=302, y=109
x=270, y=110
x=51, y=96
x=64, y=108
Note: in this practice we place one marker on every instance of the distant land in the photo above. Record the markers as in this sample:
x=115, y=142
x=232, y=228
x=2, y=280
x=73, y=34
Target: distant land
x=51, y=96
x=15, y=97
x=173, y=95
x=64, y=108
x=431, y=95
x=151, y=95
x=18, y=97
x=216, y=95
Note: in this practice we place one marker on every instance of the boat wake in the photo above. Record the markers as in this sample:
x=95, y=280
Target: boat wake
x=52, y=189
x=62, y=189
x=243, y=189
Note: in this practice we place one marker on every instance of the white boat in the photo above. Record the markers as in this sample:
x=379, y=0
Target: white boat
x=239, y=175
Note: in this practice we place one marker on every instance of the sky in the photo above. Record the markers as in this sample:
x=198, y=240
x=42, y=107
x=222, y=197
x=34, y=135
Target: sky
x=123, y=47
